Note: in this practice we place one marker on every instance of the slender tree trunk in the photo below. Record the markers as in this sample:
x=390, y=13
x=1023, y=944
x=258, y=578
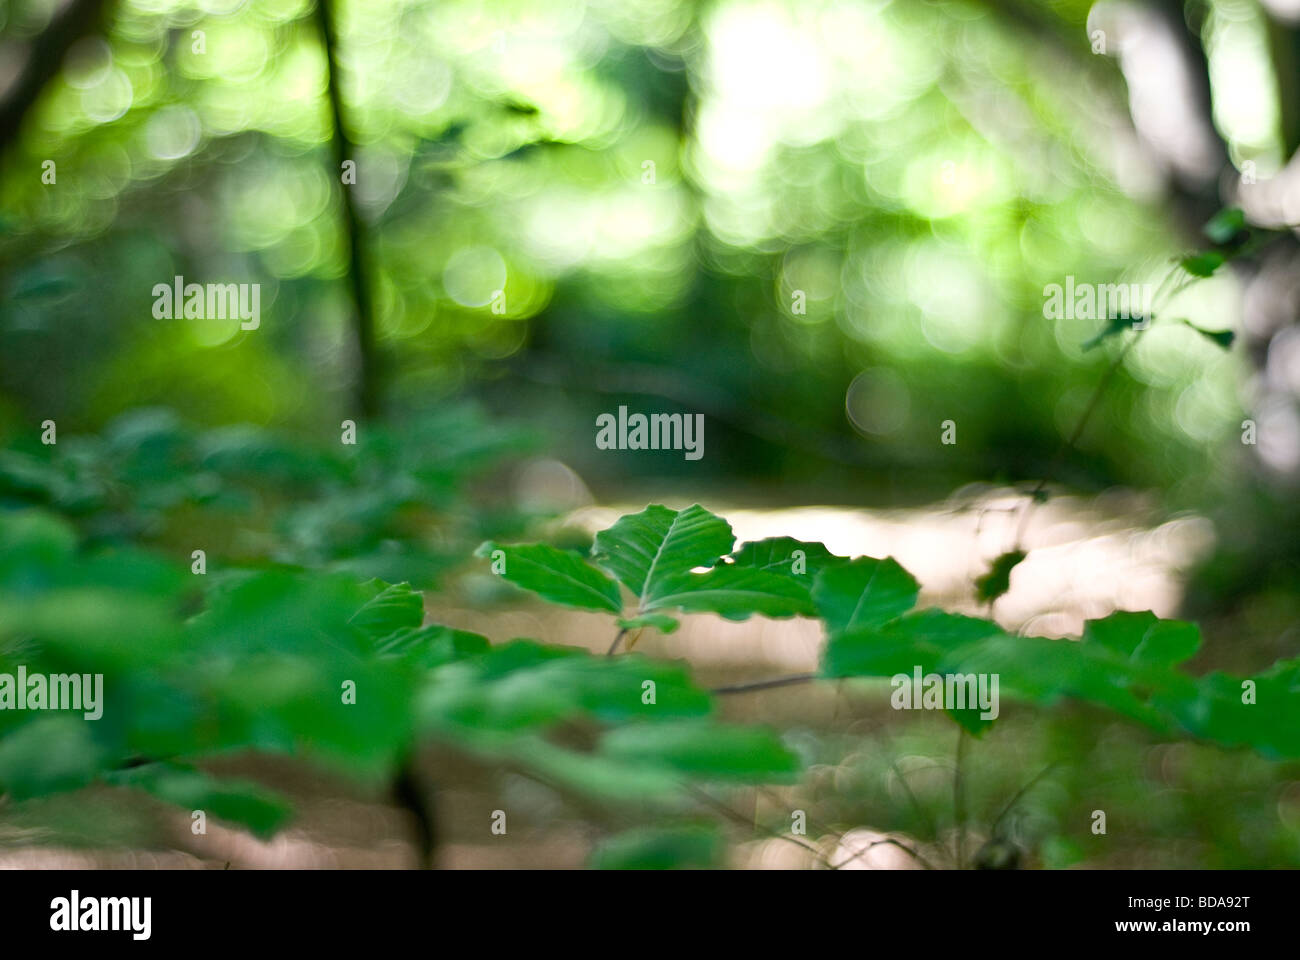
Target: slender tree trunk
x=367, y=382
x=416, y=798
x=45, y=59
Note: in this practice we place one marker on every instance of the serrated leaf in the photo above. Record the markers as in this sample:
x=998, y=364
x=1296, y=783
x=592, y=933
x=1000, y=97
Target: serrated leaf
x=1264, y=716
x=796, y=560
x=863, y=593
x=1144, y=638
x=559, y=576
x=734, y=593
x=786, y=555
x=920, y=639
x=646, y=549
x=1124, y=662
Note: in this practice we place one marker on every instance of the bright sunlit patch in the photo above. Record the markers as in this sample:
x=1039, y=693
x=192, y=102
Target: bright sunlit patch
x=172, y=132
x=1086, y=560
x=473, y=276
x=1245, y=93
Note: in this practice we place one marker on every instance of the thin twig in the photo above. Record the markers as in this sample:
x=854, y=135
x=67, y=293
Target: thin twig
x=892, y=842
x=926, y=815
x=745, y=821
x=613, y=647
x=766, y=684
x=1095, y=400
x=1018, y=794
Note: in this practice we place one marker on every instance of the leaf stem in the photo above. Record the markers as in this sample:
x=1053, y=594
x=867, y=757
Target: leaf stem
x=892, y=842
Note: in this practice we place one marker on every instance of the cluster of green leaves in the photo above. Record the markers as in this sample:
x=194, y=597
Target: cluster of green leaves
x=394, y=505
x=675, y=562
x=326, y=667
x=1230, y=238
x=346, y=672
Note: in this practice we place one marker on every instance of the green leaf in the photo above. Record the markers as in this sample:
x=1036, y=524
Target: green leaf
x=660, y=621
x=1114, y=327
x=997, y=581
x=796, y=560
x=393, y=607
x=647, y=549
x=1225, y=225
x=626, y=785
x=48, y=755
x=655, y=551
x=660, y=848
x=1144, y=638
x=523, y=685
x=924, y=640
x=786, y=555
x=1203, y=264
x=863, y=593
x=432, y=646
x=243, y=802
x=289, y=703
x=1124, y=663
x=920, y=639
x=1264, y=716
x=702, y=749
x=559, y=576
x=733, y=592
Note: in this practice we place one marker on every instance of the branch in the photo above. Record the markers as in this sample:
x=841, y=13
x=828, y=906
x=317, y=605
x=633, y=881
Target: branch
x=368, y=374
x=892, y=842
x=959, y=798
x=414, y=798
x=766, y=684
x=1018, y=794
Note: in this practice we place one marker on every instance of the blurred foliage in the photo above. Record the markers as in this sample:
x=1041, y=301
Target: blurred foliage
x=646, y=186
x=399, y=503
x=342, y=672
x=1125, y=664
x=828, y=226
